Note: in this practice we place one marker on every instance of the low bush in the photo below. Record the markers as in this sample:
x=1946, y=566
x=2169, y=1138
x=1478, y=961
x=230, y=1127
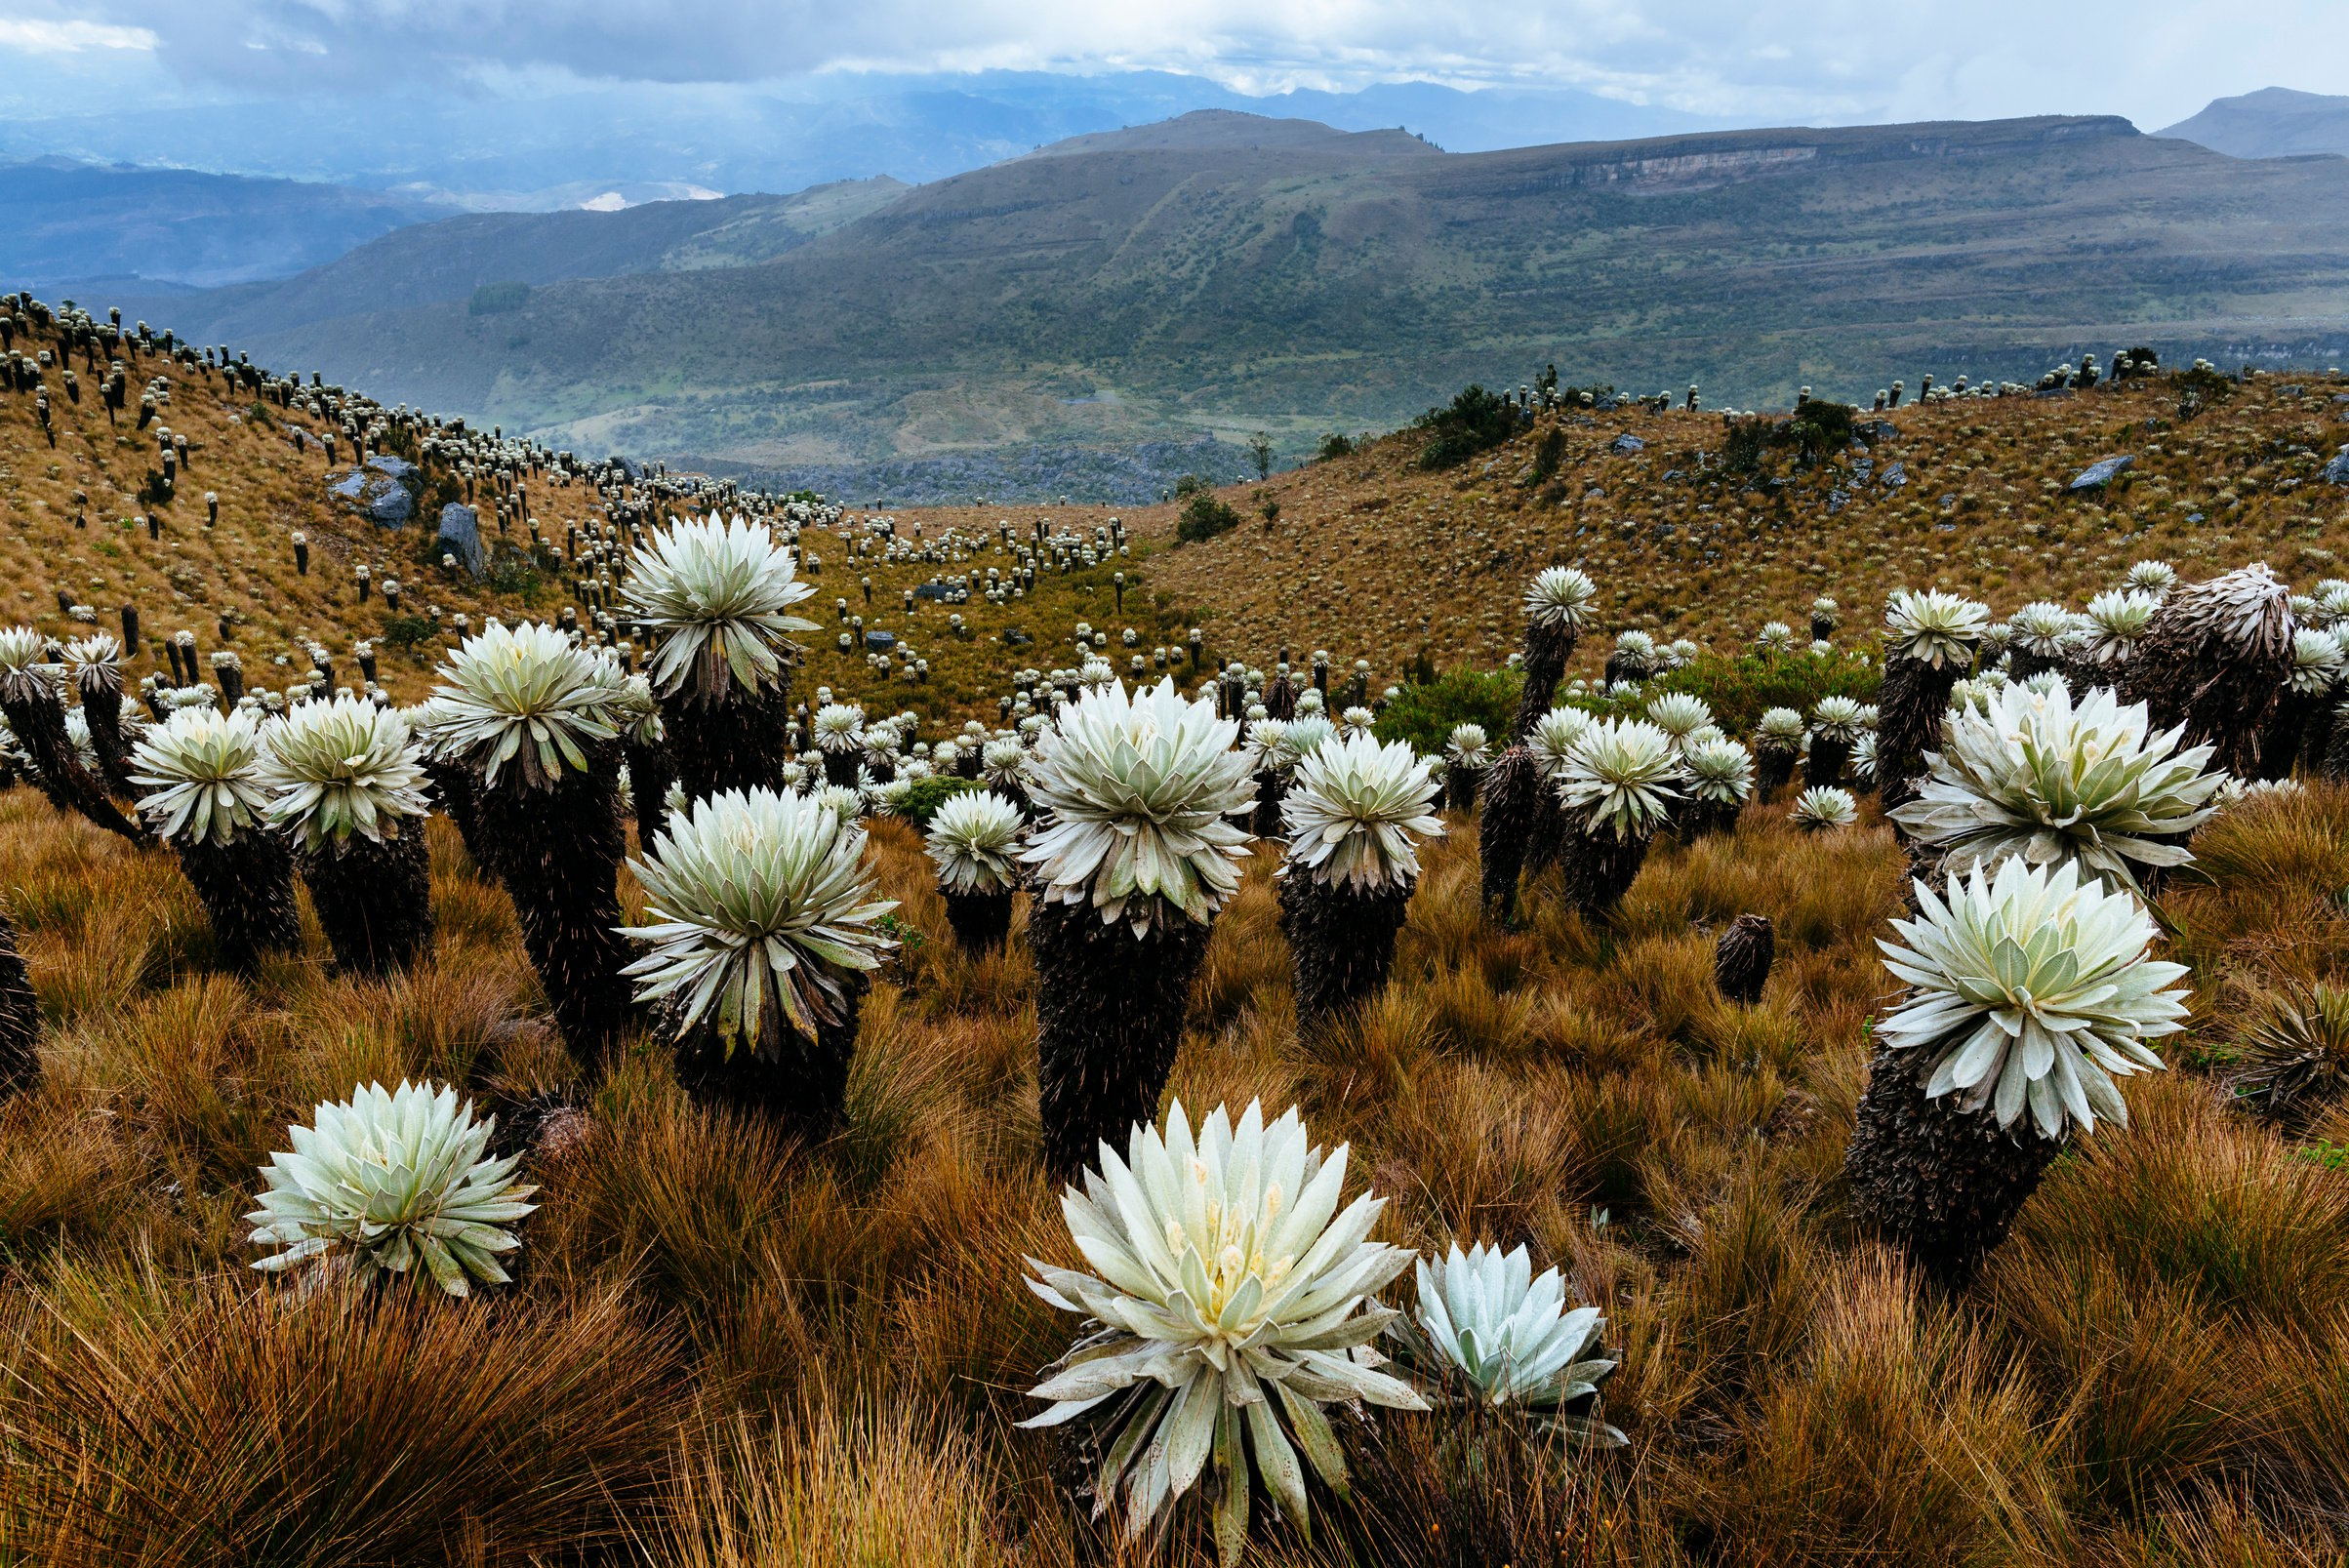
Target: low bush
x=1475, y=421
x=1424, y=712
x=1204, y=517
x=1738, y=687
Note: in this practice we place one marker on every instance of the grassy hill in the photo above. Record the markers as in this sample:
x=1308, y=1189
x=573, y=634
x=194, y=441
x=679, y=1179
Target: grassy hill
x=722, y=1346
x=1120, y=291
x=1369, y=556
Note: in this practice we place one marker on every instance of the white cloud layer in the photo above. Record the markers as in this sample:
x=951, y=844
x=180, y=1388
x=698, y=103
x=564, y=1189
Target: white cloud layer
x=49, y=35
x=1758, y=61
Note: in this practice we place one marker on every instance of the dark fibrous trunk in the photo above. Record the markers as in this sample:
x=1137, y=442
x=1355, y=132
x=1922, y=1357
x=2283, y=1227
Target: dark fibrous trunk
x=101, y=710
x=981, y=920
x=651, y=770
x=1110, y=1010
x=798, y=1083
x=374, y=898
x=839, y=768
x=737, y=743
x=1914, y=700
x=2199, y=665
x=1772, y=768
x=1548, y=649
x=2287, y=727
x=1707, y=818
x=1741, y=959
x=1547, y=835
x=452, y=787
x=1825, y=765
x=2316, y=735
x=1460, y=786
x=1341, y=941
x=1264, y=821
x=1943, y=1183
x=247, y=887
x=1601, y=869
x=40, y=728
x=1512, y=792
x=559, y=850
x=1280, y=699
x=19, y=1016
x=2336, y=748
x=2022, y=664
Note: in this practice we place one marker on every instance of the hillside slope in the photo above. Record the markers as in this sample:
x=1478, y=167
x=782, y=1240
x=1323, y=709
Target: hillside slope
x=1372, y=557
x=74, y=528
x=1111, y=295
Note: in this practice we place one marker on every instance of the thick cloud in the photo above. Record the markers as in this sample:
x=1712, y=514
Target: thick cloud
x=1754, y=60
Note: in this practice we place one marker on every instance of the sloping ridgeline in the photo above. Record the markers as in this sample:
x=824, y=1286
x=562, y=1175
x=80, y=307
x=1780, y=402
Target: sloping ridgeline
x=1227, y=273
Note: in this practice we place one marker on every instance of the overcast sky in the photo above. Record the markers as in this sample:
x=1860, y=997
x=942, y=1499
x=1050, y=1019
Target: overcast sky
x=1758, y=61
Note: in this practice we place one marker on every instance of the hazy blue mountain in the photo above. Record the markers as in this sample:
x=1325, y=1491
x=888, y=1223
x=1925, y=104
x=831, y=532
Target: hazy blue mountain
x=2274, y=122
x=534, y=154
x=450, y=260
x=1223, y=275
x=63, y=221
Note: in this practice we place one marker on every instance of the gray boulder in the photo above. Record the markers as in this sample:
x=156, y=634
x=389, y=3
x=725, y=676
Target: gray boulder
x=460, y=536
x=397, y=468
x=2337, y=470
x=2099, y=474
x=1628, y=442
x=385, y=500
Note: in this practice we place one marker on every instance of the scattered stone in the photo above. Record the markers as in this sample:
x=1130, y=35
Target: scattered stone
x=1896, y=476
x=1628, y=442
x=2099, y=474
x=2337, y=470
x=460, y=536
x=386, y=500
x=880, y=642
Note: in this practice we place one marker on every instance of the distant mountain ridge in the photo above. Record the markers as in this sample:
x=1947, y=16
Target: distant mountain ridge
x=1216, y=276
x=63, y=221
x=447, y=259
x=540, y=153
x=2274, y=122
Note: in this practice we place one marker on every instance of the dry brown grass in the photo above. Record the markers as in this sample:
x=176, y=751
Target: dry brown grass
x=724, y=1348
x=1374, y=558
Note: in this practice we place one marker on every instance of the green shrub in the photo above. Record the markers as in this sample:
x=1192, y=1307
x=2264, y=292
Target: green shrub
x=1744, y=443
x=1476, y=421
x=498, y=299
x=2200, y=387
x=1204, y=517
x=1425, y=711
x=407, y=632
x=511, y=572
x=928, y=794
x=1817, y=429
x=1547, y=453
x=1738, y=687
x=1334, y=445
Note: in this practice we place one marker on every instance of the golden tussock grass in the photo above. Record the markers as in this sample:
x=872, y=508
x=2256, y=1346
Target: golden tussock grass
x=724, y=1347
